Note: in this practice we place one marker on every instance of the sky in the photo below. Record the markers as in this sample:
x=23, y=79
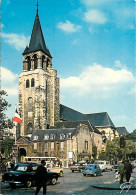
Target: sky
x=93, y=48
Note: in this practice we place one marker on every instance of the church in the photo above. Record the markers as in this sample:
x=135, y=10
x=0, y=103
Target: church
x=49, y=128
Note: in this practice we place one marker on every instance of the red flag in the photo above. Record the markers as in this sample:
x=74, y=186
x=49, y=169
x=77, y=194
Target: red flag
x=17, y=118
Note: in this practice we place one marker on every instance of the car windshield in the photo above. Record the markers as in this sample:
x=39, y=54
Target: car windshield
x=88, y=168
x=100, y=163
x=21, y=168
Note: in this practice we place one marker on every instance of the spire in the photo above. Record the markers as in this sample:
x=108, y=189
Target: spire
x=37, y=7
x=37, y=41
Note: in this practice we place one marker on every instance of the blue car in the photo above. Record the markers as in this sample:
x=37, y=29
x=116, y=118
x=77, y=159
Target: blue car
x=92, y=170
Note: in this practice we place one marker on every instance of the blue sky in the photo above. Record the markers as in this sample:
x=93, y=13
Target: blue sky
x=93, y=48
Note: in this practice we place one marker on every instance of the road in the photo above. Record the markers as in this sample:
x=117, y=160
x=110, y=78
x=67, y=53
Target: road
x=72, y=184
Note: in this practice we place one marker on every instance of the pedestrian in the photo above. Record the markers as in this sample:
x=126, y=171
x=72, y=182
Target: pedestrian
x=41, y=178
x=128, y=170
x=121, y=171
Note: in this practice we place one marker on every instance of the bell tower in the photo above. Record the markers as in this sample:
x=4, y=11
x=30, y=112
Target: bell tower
x=39, y=89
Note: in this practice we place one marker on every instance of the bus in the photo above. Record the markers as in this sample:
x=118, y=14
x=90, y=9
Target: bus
x=38, y=159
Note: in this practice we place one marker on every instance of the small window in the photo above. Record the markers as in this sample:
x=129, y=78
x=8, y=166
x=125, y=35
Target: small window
x=35, y=137
x=46, y=145
x=46, y=137
x=52, y=136
x=32, y=82
x=69, y=135
x=35, y=146
x=62, y=145
x=62, y=136
x=86, y=145
x=52, y=145
x=27, y=83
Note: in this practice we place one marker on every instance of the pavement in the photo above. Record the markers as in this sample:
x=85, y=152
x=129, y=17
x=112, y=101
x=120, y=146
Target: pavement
x=115, y=185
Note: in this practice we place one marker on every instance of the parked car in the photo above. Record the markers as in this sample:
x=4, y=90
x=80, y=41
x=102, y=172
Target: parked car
x=77, y=167
x=92, y=169
x=116, y=166
x=52, y=168
x=25, y=174
x=104, y=165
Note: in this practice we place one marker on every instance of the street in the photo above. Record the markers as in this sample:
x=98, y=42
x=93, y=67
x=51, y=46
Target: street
x=74, y=184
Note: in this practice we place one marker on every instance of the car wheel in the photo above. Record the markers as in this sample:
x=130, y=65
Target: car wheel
x=28, y=184
x=111, y=169
x=94, y=174
x=84, y=174
x=72, y=171
x=53, y=181
x=12, y=185
x=61, y=174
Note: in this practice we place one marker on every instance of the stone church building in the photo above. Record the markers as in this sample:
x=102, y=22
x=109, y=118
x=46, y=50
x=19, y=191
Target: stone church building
x=49, y=128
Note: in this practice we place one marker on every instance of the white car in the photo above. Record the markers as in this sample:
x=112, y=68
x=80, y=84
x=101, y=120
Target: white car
x=104, y=165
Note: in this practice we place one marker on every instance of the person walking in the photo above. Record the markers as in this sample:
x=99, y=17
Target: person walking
x=128, y=170
x=41, y=178
x=121, y=171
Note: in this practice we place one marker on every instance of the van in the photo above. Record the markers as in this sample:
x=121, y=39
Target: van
x=104, y=165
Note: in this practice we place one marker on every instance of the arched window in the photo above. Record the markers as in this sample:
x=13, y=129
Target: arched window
x=27, y=83
x=43, y=58
x=30, y=104
x=32, y=82
x=47, y=62
x=35, y=61
x=29, y=128
x=28, y=63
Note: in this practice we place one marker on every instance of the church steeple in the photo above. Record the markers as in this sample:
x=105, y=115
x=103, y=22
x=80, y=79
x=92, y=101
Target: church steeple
x=37, y=42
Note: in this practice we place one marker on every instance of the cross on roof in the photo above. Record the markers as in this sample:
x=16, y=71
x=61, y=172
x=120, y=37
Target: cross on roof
x=37, y=6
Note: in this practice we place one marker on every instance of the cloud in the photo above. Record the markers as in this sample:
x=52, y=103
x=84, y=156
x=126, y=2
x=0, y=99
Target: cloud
x=9, y=82
x=133, y=90
x=97, y=80
x=18, y=41
x=95, y=16
x=68, y=27
x=94, y=2
x=7, y=75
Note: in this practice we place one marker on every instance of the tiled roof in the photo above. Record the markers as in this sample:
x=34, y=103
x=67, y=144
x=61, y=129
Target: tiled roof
x=69, y=114
x=122, y=130
x=37, y=41
x=56, y=132
x=97, y=119
x=74, y=124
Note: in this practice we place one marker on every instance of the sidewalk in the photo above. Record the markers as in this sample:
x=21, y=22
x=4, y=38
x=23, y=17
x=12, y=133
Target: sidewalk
x=116, y=185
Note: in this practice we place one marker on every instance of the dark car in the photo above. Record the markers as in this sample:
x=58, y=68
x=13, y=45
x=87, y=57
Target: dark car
x=26, y=174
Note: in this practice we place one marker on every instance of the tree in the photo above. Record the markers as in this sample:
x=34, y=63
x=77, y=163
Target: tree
x=3, y=107
x=6, y=147
x=94, y=152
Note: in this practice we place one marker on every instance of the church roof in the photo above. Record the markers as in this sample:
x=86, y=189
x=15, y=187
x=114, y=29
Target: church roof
x=69, y=114
x=122, y=130
x=97, y=119
x=56, y=132
x=74, y=124
x=37, y=41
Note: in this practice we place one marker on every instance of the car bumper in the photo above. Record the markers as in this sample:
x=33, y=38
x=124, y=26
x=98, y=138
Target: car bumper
x=15, y=182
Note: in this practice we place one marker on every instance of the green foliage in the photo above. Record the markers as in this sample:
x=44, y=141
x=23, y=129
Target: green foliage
x=3, y=107
x=94, y=152
x=103, y=156
x=131, y=136
x=114, y=151
x=6, y=146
